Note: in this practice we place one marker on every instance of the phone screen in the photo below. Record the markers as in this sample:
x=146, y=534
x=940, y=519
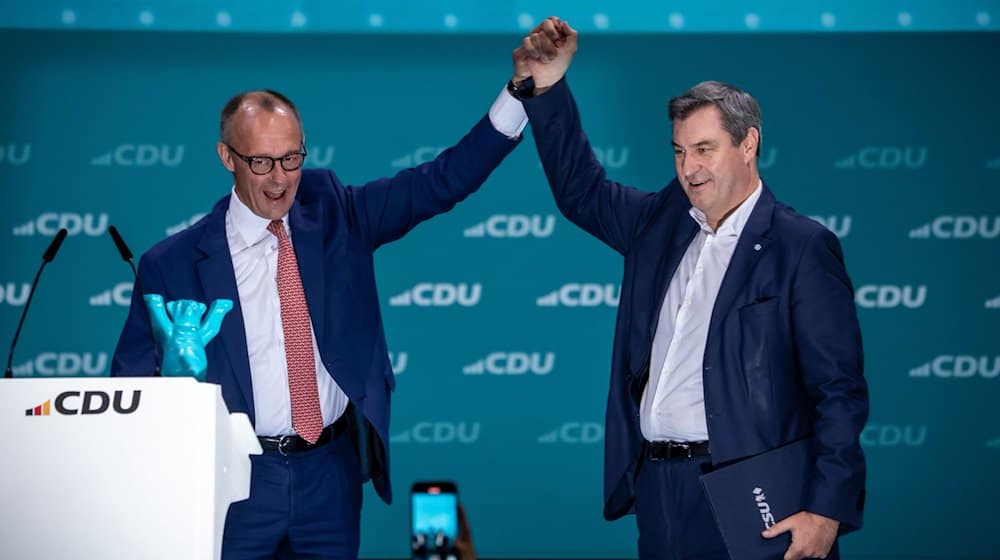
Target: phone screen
x=435, y=521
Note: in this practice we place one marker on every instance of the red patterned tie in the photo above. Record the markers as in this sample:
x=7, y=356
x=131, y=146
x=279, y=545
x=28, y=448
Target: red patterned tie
x=307, y=417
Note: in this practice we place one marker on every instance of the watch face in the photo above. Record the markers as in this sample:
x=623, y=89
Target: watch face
x=524, y=90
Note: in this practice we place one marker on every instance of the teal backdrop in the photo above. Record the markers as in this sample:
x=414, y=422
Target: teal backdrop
x=499, y=315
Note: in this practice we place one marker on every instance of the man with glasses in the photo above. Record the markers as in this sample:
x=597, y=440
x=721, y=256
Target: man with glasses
x=303, y=351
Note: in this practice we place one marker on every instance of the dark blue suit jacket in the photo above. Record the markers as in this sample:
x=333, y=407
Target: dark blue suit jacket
x=783, y=358
x=336, y=230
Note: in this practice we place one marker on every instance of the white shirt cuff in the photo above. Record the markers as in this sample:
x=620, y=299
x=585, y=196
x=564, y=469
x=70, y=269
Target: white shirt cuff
x=507, y=115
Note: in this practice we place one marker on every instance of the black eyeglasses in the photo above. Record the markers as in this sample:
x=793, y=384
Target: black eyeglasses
x=262, y=165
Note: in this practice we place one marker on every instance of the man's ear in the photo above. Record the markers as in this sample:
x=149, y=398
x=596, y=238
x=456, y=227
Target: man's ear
x=226, y=156
x=750, y=144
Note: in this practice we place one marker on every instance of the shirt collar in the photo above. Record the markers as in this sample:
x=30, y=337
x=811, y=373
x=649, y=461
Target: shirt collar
x=734, y=223
x=252, y=229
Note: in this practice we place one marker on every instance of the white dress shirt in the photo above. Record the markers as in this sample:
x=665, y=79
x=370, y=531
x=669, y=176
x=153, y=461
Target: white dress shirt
x=507, y=115
x=254, y=252
x=673, y=402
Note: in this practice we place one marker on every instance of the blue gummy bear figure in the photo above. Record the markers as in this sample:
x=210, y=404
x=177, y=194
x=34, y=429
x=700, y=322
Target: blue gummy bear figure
x=181, y=333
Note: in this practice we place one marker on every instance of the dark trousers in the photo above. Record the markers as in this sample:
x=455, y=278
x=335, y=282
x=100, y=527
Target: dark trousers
x=304, y=505
x=674, y=518
x=672, y=511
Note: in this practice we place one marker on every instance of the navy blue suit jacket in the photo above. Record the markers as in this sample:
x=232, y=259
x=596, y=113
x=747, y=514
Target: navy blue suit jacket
x=783, y=357
x=336, y=230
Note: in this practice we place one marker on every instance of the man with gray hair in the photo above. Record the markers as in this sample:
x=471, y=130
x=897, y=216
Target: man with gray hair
x=736, y=331
x=303, y=352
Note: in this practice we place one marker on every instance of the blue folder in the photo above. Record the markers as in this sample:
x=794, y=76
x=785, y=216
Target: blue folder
x=751, y=495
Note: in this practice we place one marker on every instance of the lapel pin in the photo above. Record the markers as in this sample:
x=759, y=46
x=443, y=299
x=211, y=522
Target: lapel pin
x=756, y=247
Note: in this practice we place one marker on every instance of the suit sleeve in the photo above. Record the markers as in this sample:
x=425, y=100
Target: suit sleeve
x=830, y=357
x=604, y=208
x=389, y=208
x=134, y=354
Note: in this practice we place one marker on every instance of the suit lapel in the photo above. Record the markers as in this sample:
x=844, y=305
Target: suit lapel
x=675, y=245
x=307, y=237
x=218, y=281
x=669, y=262
x=753, y=244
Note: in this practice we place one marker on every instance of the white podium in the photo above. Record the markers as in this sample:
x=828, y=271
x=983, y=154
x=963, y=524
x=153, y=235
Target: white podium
x=118, y=468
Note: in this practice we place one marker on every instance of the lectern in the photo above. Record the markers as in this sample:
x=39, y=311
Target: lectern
x=118, y=468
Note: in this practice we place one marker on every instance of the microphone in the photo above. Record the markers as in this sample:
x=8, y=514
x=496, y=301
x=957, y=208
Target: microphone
x=123, y=250
x=47, y=257
x=127, y=257
x=57, y=242
x=120, y=243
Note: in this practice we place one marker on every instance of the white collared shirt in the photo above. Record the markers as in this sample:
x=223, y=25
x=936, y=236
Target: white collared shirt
x=254, y=251
x=507, y=115
x=673, y=402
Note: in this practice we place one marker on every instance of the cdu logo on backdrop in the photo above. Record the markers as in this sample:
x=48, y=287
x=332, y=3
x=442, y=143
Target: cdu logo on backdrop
x=12, y=154
x=48, y=223
x=958, y=227
x=612, y=157
x=64, y=364
x=512, y=363
x=398, y=361
x=184, y=224
x=581, y=295
x=440, y=294
x=141, y=155
x=885, y=157
x=423, y=154
x=872, y=296
x=767, y=158
x=992, y=303
x=959, y=367
x=575, y=433
x=464, y=433
x=320, y=156
x=894, y=435
x=513, y=226
x=120, y=294
x=838, y=225
x=15, y=294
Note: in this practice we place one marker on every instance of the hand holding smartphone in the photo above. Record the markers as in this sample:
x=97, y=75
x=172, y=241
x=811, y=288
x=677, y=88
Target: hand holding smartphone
x=433, y=520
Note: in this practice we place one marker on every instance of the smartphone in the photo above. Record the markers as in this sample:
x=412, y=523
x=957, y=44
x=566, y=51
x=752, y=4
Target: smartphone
x=433, y=520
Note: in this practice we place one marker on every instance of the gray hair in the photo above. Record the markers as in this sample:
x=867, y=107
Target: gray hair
x=740, y=111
